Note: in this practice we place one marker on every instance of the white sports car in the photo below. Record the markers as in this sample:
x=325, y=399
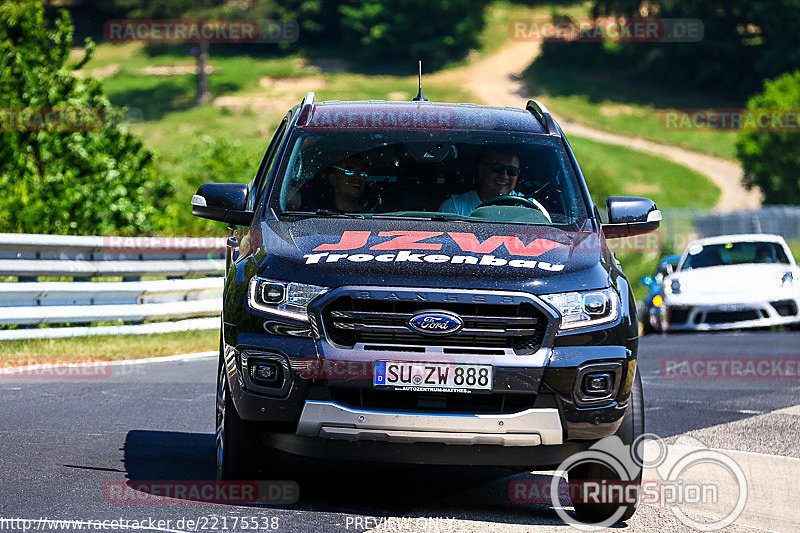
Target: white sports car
x=732, y=282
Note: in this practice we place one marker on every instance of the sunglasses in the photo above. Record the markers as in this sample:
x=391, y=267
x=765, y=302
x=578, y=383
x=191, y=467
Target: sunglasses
x=350, y=172
x=497, y=168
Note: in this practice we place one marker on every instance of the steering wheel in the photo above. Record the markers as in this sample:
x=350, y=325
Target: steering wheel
x=516, y=200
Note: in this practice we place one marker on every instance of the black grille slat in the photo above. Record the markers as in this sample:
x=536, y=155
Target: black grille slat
x=679, y=315
x=349, y=320
x=721, y=317
x=366, y=315
x=378, y=328
x=434, y=402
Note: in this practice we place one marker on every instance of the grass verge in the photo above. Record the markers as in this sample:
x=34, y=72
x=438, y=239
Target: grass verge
x=612, y=170
x=598, y=100
x=105, y=347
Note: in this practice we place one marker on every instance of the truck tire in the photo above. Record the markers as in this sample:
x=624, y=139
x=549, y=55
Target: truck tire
x=629, y=431
x=237, y=442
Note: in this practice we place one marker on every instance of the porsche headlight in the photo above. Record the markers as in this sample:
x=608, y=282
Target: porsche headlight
x=282, y=298
x=584, y=309
x=675, y=286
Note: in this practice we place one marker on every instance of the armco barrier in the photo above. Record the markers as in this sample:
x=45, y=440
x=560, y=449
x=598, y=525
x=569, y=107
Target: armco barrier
x=783, y=220
x=191, y=294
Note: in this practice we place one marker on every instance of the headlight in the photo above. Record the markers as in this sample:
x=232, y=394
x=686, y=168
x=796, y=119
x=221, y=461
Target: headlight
x=787, y=279
x=674, y=287
x=583, y=309
x=282, y=298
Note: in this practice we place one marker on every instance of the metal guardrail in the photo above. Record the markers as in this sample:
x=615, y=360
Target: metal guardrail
x=27, y=300
x=783, y=220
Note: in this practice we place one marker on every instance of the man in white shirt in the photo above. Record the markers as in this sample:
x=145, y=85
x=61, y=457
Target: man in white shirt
x=498, y=170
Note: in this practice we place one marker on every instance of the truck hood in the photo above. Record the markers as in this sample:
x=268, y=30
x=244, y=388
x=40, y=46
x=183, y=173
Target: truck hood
x=335, y=251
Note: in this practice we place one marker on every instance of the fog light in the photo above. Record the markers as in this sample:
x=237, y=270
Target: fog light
x=265, y=373
x=598, y=384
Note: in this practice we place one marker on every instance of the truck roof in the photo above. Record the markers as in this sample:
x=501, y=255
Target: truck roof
x=416, y=116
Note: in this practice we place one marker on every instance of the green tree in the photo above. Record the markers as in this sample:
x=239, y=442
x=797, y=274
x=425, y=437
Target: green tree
x=771, y=159
x=744, y=41
x=56, y=178
x=195, y=9
x=413, y=29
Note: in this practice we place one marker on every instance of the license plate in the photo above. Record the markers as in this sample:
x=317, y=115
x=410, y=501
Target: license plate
x=439, y=377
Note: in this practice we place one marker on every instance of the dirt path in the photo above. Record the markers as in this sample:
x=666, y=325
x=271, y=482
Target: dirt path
x=497, y=80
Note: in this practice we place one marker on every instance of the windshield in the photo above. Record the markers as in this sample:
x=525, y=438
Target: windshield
x=734, y=253
x=459, y=175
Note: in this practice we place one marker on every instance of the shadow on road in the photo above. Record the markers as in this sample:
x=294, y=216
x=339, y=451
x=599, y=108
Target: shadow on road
x=368, y=489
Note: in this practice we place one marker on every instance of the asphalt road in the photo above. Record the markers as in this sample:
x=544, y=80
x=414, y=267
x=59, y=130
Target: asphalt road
x=63, y=440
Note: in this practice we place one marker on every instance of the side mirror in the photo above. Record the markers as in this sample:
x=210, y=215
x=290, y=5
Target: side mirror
x=647, y=281
x=630, y=215
x=224, y=202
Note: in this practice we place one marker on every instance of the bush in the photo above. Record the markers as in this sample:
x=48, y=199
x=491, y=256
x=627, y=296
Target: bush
x=207, y=159
x=54, y=179
x=771, y=159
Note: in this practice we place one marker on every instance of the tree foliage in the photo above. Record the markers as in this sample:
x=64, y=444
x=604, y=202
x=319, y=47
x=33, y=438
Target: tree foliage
x=771, y=159
x=413, y=29
x=377, y=29
x=57, y=179
x=745, y=41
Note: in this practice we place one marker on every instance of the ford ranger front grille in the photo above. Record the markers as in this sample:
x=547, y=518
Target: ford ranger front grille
x=349, y=321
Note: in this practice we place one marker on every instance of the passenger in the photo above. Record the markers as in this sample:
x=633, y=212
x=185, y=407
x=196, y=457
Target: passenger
x=349, y=181
x=341, y=187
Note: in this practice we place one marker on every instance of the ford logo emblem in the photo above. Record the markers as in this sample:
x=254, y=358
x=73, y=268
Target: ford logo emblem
x=435, y=323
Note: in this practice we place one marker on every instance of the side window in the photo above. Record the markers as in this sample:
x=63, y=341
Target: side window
x=260, y=181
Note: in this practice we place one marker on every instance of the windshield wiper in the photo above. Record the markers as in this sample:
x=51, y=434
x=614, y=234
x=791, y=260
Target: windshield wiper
x=322, y=213
x=448, y=218
x=438, y=217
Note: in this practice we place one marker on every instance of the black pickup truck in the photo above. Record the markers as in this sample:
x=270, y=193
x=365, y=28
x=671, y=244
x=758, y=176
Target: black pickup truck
x=424, y=283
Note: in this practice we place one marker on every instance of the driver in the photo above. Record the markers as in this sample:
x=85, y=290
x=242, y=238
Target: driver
x=764, y=254
x=498, y=170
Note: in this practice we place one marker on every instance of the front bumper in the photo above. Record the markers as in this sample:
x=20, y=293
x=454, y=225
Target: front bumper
x=330, y=420
x=700, y=316
x=531, y=417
